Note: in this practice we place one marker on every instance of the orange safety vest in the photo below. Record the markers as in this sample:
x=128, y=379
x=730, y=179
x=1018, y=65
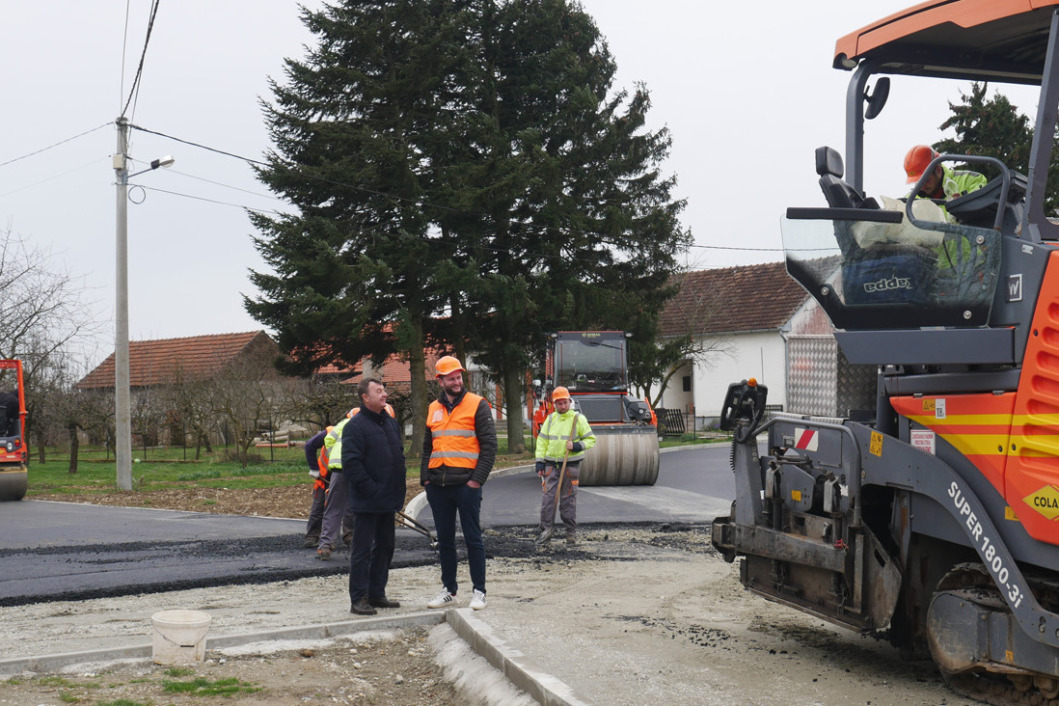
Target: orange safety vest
x=321, y=464
x=453, y=437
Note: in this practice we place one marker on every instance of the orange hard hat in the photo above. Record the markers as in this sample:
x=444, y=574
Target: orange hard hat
x=916, y=162
x=560, y=393
x=445, y=365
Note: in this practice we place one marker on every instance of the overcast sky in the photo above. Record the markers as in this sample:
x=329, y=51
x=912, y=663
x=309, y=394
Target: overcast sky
x=746, y=89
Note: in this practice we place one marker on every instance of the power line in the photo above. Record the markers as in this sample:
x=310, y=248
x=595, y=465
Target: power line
x=348, y=186
x=215, y=201
x=723, y=247
x=124, y=49
x=143, y=55
x=61, y=142
x=322, y=180
x=56, y=176
x=226, y=186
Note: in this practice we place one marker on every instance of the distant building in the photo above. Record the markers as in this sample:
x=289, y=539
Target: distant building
x=195, y=358
x=204, y=370
x=756, y=321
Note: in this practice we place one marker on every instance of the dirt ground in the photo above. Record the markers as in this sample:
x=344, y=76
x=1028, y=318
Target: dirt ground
x=629, y=616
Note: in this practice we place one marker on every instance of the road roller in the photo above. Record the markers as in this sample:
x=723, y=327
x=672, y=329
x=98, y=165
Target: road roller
x=14, y=452
x=593, y=366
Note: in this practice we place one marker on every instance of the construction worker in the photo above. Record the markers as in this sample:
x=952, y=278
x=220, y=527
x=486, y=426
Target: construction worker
x=945, y=183
x=316, y=457
x=336, y=509
x=564, y=438
x=374, y=466
x=337, y=513
x=459, y=450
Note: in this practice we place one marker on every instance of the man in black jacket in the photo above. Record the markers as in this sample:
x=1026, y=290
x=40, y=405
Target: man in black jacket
x=374, y=466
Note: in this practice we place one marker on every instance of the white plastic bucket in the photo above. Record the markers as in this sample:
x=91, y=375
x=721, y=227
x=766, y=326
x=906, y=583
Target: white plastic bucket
x=180, y=636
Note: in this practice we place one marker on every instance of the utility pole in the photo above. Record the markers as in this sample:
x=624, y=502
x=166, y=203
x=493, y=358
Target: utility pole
x=122, y=393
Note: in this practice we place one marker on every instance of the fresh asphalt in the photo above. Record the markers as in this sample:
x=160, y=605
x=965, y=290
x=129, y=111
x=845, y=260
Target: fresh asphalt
x=64, y=551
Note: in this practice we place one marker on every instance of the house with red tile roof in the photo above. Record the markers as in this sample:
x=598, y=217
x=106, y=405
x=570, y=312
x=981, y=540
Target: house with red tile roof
x=193, y=359
x=155, y=364
x=756, y=321
x=221, y=361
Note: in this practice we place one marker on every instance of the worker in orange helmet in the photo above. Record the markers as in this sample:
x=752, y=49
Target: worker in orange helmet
x=459, y=449
x=944, y=183
x=564, y=437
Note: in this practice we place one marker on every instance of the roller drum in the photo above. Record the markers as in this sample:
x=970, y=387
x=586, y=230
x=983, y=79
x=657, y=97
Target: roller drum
x=13, y=483
x=623, y=455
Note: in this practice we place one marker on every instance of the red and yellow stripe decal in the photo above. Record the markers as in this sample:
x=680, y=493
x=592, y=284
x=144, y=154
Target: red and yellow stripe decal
x=977, y=425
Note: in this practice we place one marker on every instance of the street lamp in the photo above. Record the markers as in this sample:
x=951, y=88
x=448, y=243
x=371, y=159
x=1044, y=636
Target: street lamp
x=122, y=384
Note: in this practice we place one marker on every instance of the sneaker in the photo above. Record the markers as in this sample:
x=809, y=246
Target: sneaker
x=478, y=600
x=443, y=600
x=324, y=553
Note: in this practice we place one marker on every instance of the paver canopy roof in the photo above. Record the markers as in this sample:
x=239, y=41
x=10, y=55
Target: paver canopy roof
x=999, y=40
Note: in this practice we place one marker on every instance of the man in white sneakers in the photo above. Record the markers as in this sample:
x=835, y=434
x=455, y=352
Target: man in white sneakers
x=459, y=450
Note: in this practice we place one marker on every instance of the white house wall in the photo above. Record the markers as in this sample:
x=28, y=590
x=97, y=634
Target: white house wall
x=758, y=355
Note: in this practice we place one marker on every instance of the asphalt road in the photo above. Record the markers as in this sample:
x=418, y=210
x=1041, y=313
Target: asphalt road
x=63, y=551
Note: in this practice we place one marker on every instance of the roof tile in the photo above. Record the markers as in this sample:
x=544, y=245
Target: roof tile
x=195, y=358
x=732, y=300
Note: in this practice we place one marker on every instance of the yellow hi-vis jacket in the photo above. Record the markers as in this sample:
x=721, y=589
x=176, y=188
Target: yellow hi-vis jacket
x=333, y=440
x=551, y=441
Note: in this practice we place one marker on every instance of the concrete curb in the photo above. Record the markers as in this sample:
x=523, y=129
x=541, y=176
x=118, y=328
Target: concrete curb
x=512, y=663
x=479, y=636
x=56, y=662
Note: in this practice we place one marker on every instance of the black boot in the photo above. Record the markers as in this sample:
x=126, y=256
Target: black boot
x=362, y=607
x=383, y=602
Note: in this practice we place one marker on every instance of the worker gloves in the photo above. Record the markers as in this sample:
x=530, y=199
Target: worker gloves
x=539, y=468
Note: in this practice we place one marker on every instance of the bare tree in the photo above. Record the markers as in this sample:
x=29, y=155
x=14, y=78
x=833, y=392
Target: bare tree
x=189, y=400
x=245, y=398
x=319, y=401
x=42, y=311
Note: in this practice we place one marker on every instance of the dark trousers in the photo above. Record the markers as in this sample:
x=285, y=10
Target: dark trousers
x=316, y=512
x=369, y=559
x=446, y=502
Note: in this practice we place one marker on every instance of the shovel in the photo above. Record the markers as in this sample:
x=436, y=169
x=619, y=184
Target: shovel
x=412, y=524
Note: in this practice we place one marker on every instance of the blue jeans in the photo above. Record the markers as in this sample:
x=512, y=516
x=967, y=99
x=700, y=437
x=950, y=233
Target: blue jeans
x=369, y=560
x=445, y=502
